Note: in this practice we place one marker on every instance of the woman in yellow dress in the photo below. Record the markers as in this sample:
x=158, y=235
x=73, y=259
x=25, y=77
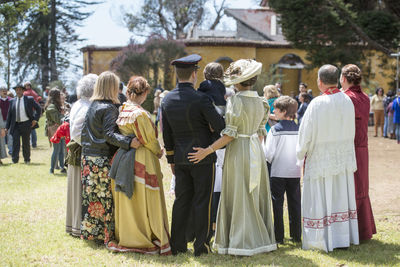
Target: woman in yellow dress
x=141, y=223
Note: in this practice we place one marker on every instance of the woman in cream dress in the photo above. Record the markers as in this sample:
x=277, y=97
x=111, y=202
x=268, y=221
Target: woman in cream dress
x=244, y=220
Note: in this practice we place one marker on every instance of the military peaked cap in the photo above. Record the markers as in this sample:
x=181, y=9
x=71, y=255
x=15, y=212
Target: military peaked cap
x=186, y=62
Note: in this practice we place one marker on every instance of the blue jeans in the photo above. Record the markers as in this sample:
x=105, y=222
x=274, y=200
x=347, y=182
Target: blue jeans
x=397, y=127
x=9, y=143
x=58, y=153
x=385, y=126
x=33, y=138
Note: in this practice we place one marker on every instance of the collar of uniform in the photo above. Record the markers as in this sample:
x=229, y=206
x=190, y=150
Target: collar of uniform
x=248, y=93
x=185, y=85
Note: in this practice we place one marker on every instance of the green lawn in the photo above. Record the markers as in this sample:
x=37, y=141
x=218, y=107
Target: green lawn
x=32, y=229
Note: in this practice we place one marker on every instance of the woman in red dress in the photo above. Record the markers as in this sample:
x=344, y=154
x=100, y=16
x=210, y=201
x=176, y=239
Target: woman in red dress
x=350, y=80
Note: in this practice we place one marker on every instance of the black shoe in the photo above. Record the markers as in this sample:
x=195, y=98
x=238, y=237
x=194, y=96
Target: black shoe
x=51, y=171
x=27, y=161
x=63, y=170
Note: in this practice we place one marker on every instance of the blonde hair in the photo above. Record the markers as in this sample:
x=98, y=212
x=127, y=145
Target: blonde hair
x=106, y=87
x=270, y=91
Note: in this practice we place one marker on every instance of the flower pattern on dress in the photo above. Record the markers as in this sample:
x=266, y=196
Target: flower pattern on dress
x=97, y=202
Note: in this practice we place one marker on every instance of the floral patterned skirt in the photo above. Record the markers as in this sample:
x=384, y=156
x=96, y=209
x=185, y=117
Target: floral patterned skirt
x=97, y=202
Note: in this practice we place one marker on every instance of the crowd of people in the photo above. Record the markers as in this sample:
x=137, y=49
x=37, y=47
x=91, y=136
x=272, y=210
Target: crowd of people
x=234, y=155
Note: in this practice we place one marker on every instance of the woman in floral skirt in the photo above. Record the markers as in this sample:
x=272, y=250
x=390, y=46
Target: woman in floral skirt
x=100, y=139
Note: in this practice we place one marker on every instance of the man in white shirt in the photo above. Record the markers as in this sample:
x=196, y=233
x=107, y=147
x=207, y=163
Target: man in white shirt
x=23, y=116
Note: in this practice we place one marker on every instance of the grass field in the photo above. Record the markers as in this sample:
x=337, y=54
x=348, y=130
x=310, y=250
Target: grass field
x=32, y=229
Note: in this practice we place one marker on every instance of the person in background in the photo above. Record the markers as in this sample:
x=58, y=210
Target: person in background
x=305, y=101
x=141, y=221
x=285, y=174
x=396, y=115
x=46, y=92
x=271, y=94
x=30, y=92
x=54, y=116
x=77, y=116
x=5, y=101
x=377, y=109
x=23, y=116
x=386, y=101
x=310, y=93
x=302, y=89
x=278, y=87
x=326, y=143
x=391, y=129
x=3, y=152
x=158, y=96
x=121, y=96
x=100, y=139
x=350, y=80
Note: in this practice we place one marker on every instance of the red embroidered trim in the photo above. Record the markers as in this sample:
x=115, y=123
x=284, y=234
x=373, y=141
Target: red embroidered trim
x=328, y=220
x=150, y=179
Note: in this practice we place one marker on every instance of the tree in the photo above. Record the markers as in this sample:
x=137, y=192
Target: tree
x=11, y=13
x=338, y=31
x=148, y=60
x=170, y=18
x=47, y=38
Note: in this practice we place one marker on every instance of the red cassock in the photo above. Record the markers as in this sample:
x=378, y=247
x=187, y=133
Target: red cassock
x=366, y=224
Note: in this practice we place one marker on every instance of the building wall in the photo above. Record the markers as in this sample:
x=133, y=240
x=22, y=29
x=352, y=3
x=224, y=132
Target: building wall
x=97, y=61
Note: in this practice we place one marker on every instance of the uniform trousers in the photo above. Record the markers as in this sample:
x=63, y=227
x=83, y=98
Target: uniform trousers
x=193, y=192
x=21, y=130
x=292, y=188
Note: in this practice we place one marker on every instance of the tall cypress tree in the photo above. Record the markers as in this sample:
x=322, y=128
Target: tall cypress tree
x=47, y=39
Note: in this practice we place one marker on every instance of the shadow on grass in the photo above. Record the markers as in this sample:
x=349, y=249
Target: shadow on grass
x=373, y=252
x=36, y=164
x=278, y=257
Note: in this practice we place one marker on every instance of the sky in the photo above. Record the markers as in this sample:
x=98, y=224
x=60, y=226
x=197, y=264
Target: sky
x=105, y=26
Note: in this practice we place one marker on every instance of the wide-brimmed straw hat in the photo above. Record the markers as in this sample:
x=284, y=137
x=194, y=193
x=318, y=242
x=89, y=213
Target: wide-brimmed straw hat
x=242, y=70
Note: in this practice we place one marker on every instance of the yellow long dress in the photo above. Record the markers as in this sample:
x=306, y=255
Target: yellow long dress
x=141, y=223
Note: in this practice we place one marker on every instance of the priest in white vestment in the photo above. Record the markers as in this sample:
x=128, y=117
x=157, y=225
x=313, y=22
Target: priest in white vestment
x=326, y=143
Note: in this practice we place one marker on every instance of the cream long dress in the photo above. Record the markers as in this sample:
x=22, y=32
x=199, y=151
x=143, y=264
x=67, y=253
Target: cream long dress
x=326, y=139
x=141, y=223
x=244, y=221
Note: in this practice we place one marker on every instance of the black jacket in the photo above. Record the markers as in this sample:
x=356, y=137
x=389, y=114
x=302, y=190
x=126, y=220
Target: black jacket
x=32, y=109
x=187, y=115
x=100, y=134
x=215, y=90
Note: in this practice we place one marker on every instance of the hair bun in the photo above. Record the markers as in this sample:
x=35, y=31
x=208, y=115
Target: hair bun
x=137, y=85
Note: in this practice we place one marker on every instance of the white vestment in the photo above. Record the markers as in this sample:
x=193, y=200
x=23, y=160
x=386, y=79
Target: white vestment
x=326, y=142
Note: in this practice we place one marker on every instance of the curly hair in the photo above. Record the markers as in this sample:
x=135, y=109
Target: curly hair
x=352, y=73
x=137, y=85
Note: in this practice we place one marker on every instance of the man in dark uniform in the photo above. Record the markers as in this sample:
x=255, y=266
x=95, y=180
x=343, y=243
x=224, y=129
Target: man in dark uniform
x=189, y=119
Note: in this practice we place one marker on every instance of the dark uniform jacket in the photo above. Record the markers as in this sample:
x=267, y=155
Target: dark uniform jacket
x=32, y=109
x=187, y=115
